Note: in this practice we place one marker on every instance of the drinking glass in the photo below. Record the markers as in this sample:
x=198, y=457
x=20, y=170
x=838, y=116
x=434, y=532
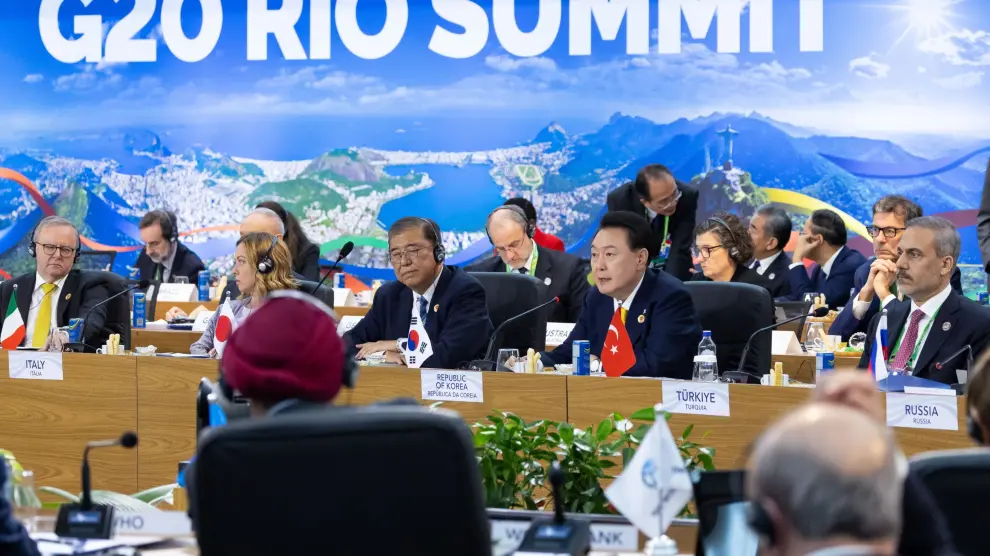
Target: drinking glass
x=507, y=359
x=181, y=279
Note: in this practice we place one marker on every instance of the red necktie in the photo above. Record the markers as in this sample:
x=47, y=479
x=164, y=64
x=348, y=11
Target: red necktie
x=909, y=341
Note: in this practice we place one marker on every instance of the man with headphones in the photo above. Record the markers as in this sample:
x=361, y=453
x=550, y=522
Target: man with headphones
x=516, y=250
x=55, y=293
x=447, y=300
x=164, y=257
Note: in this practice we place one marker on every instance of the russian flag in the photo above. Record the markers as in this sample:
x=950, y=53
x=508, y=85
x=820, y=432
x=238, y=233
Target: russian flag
x=878, y=357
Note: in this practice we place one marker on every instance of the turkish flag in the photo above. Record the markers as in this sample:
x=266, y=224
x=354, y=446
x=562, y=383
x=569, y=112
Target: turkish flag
x=617, y=353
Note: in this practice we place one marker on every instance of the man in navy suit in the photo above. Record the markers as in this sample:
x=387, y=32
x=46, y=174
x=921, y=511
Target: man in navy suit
x=447, y=300
x=890, y=215
x=933, y=322
x=662, y=324
x=770, y=228
x=824, y=241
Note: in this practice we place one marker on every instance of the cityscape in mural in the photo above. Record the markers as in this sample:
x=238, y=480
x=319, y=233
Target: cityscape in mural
x=894, y=103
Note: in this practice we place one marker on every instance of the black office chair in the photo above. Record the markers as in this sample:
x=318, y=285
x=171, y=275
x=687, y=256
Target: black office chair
x=96, y=260
x=720, y=500
x=353, y=480
x=959, y=481
x=733, y=311
x=509, y=294
x=118, y=320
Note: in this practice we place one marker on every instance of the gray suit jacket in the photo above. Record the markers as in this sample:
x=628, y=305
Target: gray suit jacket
x=204, y=344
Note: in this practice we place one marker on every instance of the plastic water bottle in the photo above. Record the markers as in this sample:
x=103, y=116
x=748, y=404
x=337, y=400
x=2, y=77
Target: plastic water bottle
x=705, y=363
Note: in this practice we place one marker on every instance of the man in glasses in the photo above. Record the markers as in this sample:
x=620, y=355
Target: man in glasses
x=55, y=293
x=447, y=300
x=669, y=205
x=874, y=280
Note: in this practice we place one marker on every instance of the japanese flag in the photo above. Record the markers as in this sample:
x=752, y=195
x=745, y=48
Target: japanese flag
x=418, y=346
x=226, y=324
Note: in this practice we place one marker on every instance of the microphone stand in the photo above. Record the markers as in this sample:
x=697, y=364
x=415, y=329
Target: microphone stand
x=487, y=364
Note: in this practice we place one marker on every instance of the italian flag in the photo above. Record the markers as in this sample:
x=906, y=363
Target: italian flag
x=12, y=333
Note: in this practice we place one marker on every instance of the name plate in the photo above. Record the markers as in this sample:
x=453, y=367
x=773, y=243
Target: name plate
x=347, y=323
x=202, y=321
x=696, y=398
x=452, y=386
x=605, y=537
x=35, y=365
x=178, y=292
x=922, y=411
x=557, y=332
x=166, y=524
x=343, y=297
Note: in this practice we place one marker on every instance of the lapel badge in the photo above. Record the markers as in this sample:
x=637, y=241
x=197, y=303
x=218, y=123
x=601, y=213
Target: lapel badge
x=68, y=296
x=772, y=276
x=641, y=319
x=436, y=308
x=946, y=326
x=546, y=280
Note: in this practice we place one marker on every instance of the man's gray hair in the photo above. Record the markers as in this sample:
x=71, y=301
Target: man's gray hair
x=517, y=216
x=273, y=216
x=947, y=241
x=52, y=221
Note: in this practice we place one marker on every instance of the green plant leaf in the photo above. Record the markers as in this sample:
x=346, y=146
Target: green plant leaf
x=687, y=431
x=604, y=430
x=627, y=455
x=645, y=414
x=156, y=493
x=60, y=493
x=122, y=502
x=606, y=464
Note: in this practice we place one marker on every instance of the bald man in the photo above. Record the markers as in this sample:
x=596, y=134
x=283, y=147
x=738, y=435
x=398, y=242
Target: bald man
x=566, y=277
x=825, y=480
x=263, y=220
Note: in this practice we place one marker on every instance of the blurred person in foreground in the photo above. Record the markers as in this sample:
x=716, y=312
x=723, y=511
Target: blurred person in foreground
x=252, y=284
x=978, y=401
x=305, y=253
x=823, y=480
x=543, y=239
x=14, y=539
x=924, y=531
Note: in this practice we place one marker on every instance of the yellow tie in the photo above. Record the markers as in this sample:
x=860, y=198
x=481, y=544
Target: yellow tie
x=624, y=315
x=44, y=322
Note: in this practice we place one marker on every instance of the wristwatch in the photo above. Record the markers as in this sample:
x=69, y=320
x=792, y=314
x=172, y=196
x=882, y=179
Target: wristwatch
x=398, y=345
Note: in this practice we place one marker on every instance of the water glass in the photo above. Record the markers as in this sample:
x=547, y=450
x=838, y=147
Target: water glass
x=507, y=359
x=705, y=368
x=26, y=502
x=180, y=279
x=815, y=339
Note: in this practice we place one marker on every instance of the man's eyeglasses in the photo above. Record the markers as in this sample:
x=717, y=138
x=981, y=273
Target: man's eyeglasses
x=515, y=246
x=705, y=252
x=888, y=232
x=50, y=249
x=396, y=256
x=669, y=201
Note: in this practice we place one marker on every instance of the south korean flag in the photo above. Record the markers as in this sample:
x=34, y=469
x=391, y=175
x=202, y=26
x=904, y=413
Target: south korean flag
x=418, y=346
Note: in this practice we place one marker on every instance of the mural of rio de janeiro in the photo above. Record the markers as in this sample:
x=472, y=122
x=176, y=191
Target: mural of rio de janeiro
x=354, y=114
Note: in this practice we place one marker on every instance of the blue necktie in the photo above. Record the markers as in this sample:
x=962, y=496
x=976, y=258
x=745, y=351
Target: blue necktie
x=423, y=310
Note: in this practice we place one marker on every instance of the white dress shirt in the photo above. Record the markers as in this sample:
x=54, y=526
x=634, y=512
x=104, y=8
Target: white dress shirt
x=627, y=302
x=827, y=267
x=529, y=262
x=428, y=294
x=765, y=263
x=36, y=296
x=168, y=262
x=929, y=307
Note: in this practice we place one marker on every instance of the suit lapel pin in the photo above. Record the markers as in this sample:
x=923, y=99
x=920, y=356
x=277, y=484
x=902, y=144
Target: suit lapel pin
x=641, y=319
x=772, y=276
x=547, y=280
x=436, y=308
x=946, y=326
x=68, y=296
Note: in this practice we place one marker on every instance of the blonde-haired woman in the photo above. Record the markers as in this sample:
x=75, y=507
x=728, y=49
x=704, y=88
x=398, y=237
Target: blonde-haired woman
x=262, y=264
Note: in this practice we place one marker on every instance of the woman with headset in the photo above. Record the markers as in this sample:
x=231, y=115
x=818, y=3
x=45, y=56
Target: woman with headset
x=723, y=244
x=262, y=264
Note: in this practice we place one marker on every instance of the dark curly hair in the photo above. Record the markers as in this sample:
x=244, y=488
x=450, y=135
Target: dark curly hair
x=731, y=234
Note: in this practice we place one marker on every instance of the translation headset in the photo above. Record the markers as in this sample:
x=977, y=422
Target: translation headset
x=33, y=248
x=172, y=231
x=530, y=227
x=266, y=264
x=734, y=252
x=351, y=367
x=439, y=252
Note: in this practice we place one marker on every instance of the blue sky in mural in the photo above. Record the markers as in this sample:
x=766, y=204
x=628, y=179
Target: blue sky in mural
x=888, y=66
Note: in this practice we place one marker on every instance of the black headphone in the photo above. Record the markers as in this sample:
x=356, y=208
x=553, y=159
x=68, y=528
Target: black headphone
x=439, y=252
x=351, y=367
x=759, y=521
x=734, y=252
x=530, y=227
x=266, y=264
x=33, y=249
x=172, y=231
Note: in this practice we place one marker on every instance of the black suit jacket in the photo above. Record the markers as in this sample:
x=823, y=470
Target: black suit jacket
x=567, y=275
x=662, y=325
x=960, y=321
x=186, y=263
x=81, y=292
x=307, y=264
x=680, y=228
x=836, y=286
x=458, y=322
x=743, y=275
x=777, y=275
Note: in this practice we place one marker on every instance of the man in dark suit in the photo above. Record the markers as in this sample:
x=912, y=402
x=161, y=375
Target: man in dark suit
x=14, y=539
x=164, y=257
x=770, y=229
x=670, y=207
x=661, y=322
x=449, y=302
x=512, y=235
x=933, y=322
x=824, y=241
x=890, y=215
x=55, y=293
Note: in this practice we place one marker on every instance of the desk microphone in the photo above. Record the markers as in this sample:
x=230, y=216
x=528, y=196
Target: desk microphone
x=81, y=345
x=969, y=358
x=557, y=535
x=344, y=252
x=487, y=364
x=86, y=520
x=818, y=313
